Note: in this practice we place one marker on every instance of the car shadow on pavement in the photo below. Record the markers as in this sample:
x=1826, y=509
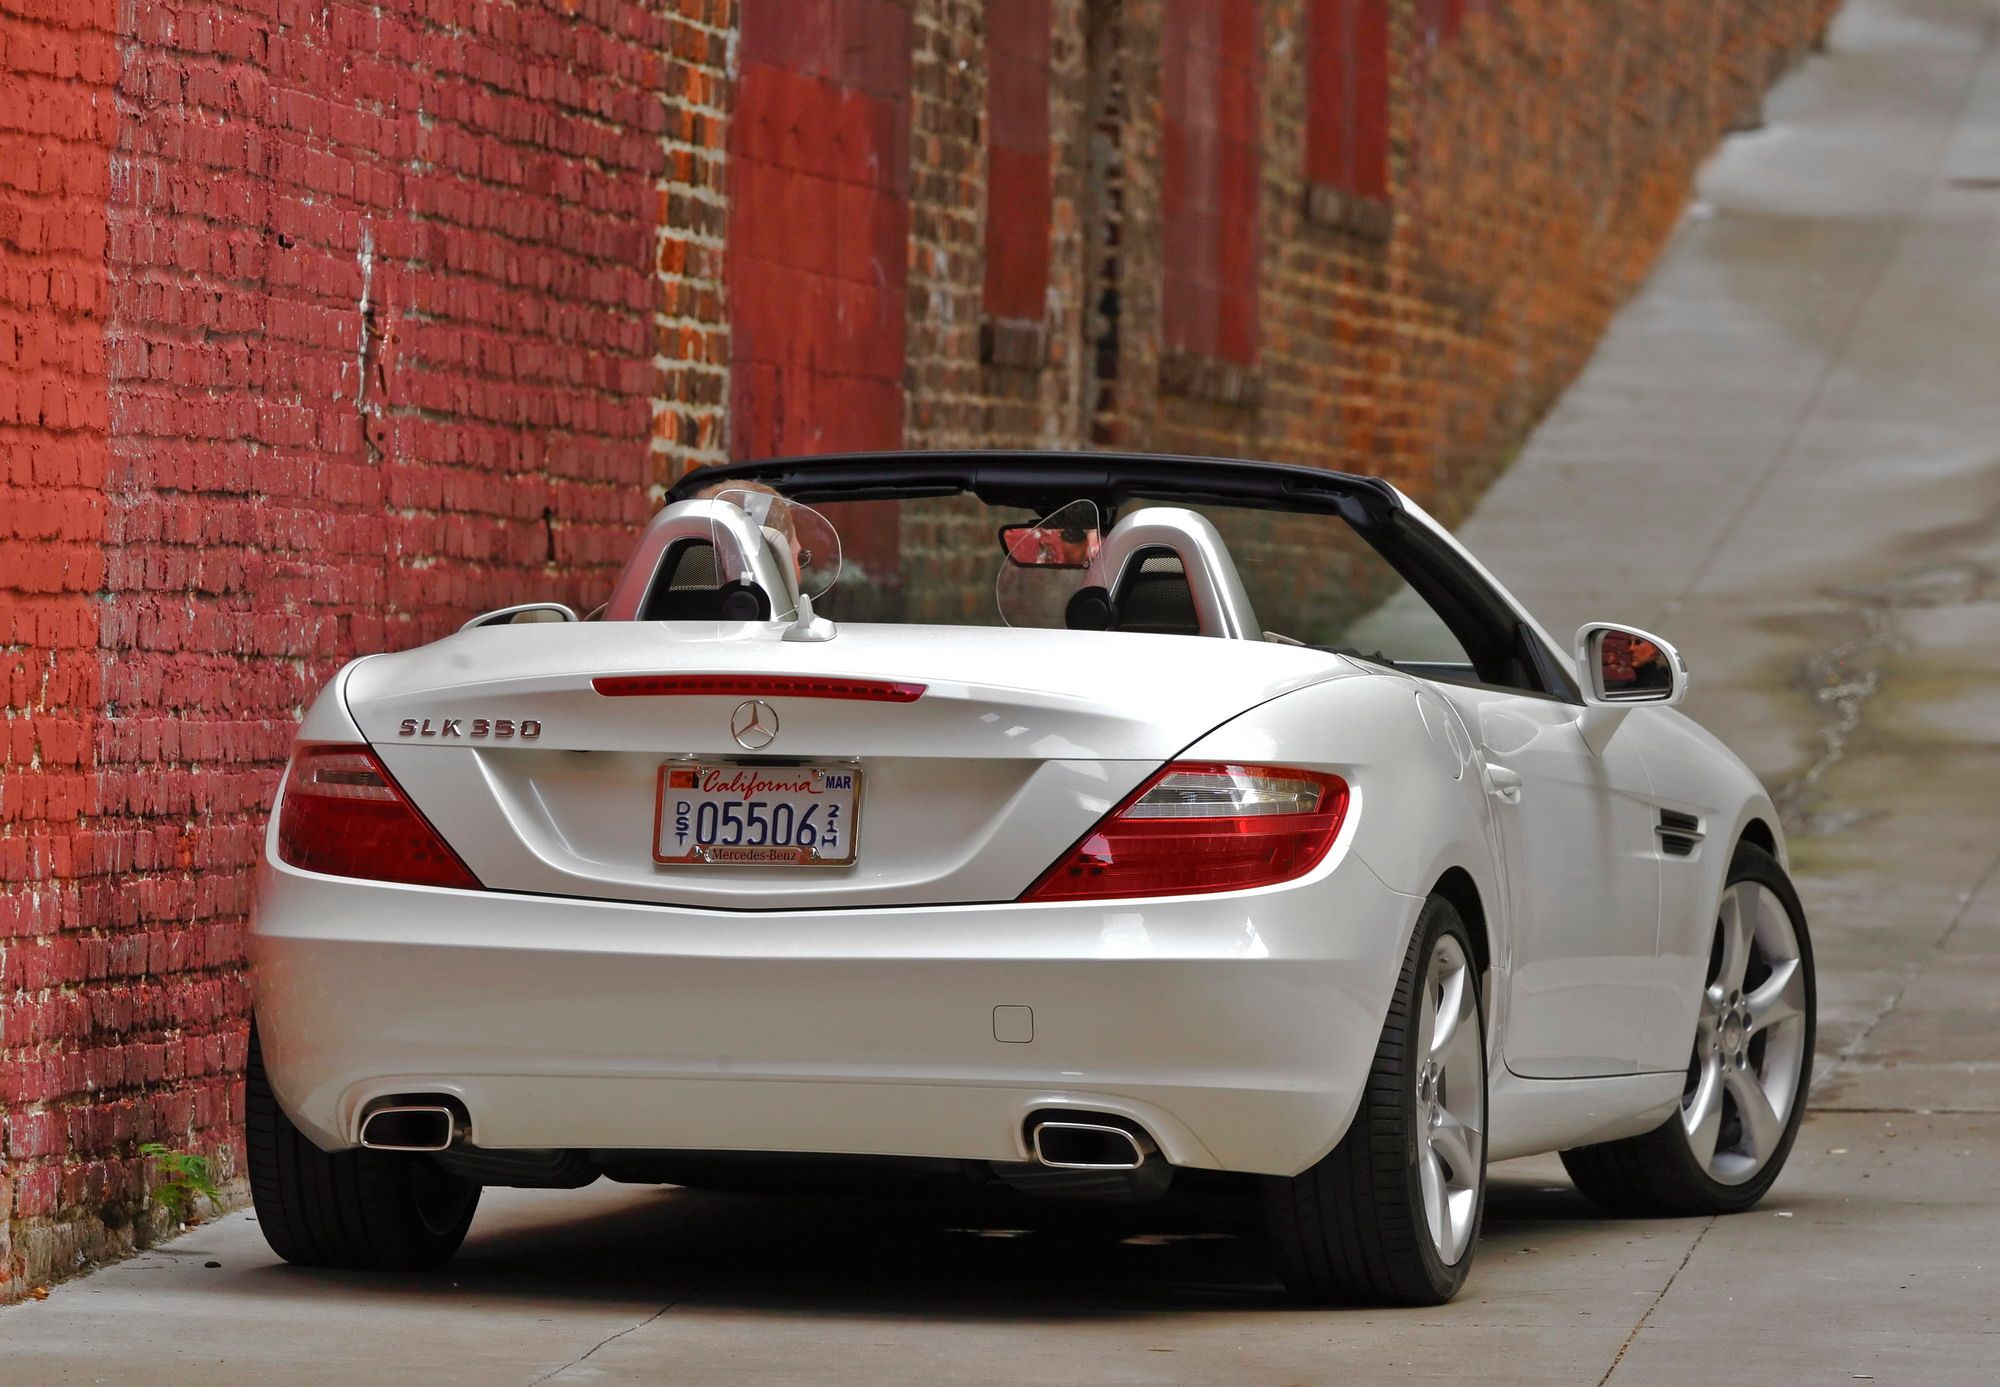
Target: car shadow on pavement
x=893, y=1258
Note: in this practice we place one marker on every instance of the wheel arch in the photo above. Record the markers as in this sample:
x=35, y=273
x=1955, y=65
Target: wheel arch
x=1457, y=886
x=1756, y=831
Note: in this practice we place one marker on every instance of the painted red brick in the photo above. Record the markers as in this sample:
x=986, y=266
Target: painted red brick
x=819, y=220
x=1019, y=186
x=1347, y=101
x=341, y=321
x=1211, y=122
x=819, y=225
x=58, y=65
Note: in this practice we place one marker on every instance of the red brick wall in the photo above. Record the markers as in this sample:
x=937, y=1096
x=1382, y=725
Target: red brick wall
x=58, y=68
x=1019, y=192
x=354, y=336
x=819, y=221
x=1211, y=116
x=1347, y=96
x=326, y=323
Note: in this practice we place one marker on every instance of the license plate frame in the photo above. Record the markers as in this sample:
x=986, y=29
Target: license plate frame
x=717, y=854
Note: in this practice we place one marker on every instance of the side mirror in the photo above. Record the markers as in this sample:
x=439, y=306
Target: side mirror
x=1622, y=666
x=523, y=614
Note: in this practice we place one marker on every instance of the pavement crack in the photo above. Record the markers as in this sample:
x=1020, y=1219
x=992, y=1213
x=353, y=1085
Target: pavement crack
x=612, y=1338
x=1843, y=678
x=1845, y=1060
x=1619, y=1357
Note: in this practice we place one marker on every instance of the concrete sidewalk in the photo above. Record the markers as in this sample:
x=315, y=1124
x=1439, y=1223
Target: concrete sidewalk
x=1786, y=457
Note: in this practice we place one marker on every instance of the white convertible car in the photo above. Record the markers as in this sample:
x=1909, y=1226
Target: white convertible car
x=1099, y=823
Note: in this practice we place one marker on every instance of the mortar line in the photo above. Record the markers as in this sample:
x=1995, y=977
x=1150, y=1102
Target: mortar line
x=1619, y=1357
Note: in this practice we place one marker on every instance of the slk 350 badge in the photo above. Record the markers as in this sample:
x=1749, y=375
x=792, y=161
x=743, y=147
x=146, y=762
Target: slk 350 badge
x=498, y=729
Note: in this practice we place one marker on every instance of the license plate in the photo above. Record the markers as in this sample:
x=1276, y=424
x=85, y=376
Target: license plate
x=718, y=815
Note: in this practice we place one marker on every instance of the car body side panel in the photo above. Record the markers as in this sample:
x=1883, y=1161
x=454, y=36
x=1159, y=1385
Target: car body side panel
x=1414, y=772
x=1416, y=812
x=1693, y=773
x=1583, y=886
x=1531, y=1116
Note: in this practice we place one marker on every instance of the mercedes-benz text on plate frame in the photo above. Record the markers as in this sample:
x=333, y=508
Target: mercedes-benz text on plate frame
x=1168, y=865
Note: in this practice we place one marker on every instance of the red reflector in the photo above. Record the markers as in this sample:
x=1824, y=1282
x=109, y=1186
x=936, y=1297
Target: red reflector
x=344, y=815
x=755, y=686
x=1203, y=827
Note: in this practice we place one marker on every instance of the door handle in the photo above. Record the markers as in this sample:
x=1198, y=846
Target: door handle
x=1503, y=784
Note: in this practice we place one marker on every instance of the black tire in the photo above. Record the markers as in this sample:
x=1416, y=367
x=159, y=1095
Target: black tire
x=372, y=1210
x=1656, y=1174
x=1352, y=1229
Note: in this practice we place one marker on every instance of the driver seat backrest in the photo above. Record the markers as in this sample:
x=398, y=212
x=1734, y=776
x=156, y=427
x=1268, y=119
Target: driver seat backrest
x=1153, y=596
x=677, y=572
x=687, y=586
x=1164, y=570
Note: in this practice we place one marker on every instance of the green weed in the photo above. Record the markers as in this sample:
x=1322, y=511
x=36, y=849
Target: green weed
x=185, y=1177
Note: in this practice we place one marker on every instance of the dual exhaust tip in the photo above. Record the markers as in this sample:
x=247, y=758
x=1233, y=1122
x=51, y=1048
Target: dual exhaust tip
x=1084, y=1144
x=1060, y=1144
x=418, y=1126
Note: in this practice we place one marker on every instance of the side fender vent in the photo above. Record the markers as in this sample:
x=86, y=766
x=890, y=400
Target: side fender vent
x=1679, y=833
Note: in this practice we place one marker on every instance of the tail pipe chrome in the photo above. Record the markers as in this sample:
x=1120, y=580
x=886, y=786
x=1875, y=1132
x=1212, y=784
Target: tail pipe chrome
x=1063, y=1144
x=411, y=1127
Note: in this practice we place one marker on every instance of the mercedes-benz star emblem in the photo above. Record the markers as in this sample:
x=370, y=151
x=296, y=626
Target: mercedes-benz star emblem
x=754, y=724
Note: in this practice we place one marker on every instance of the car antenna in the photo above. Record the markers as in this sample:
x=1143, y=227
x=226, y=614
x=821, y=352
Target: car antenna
x=808, y=627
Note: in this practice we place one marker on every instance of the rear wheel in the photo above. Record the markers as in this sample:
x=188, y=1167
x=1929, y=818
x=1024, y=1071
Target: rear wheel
x=1746, y=1081
x=1391, y=1214
x=377, y=1210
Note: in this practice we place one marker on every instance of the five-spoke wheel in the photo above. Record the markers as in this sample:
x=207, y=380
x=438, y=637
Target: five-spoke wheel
x=1750, y=1044
x=1746, y=1080
x=1450, y=1098
x=1391, y=1214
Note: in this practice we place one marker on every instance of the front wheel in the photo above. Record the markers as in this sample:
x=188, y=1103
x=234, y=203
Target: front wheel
x=1390, y=1215
x=1746, y=1081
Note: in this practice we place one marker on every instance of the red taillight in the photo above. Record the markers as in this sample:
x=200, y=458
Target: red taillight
x=756, y=686
x=1203, y=826
x=345, y=816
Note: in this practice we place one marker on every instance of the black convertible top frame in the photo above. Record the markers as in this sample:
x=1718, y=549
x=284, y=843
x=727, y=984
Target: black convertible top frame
x=1503, y=650
x=1042, y=481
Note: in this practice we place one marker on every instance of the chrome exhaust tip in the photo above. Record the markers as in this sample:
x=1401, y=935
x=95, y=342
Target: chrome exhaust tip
x=1090, y=1146
x=410, y=1127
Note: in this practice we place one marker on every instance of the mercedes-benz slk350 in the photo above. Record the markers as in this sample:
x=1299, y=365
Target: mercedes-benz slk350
x=1073, y=824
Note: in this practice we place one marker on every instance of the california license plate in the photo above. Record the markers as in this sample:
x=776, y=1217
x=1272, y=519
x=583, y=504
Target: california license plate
x=718, y=815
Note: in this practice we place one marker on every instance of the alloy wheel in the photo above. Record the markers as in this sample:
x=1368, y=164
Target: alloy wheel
x=1749, y=1047
x=1450, y=1099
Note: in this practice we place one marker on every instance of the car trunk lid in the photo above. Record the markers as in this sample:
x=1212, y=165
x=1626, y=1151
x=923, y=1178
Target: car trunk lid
x=534, y=756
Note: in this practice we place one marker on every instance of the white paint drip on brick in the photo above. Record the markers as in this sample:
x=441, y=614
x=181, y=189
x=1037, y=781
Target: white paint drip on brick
x=364, y=257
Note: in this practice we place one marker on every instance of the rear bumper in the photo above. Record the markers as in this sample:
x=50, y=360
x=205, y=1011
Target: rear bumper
x=1237, y=1029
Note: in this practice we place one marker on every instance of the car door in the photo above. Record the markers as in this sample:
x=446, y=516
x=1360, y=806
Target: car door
x=1582, y=872
x=1573, y=829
